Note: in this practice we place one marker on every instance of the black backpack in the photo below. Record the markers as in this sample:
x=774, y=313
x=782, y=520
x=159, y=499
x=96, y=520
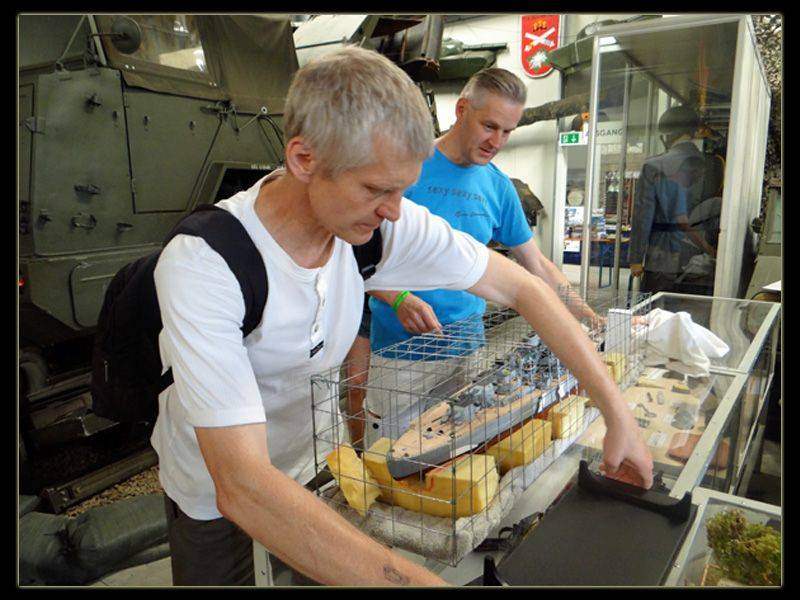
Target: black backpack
x=126, y=364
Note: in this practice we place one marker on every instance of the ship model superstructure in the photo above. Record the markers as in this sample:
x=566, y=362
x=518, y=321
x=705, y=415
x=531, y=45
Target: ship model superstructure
x=521, y=385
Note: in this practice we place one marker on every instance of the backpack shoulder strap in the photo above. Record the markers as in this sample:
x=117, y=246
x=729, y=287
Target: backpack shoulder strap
x=368, y=255
x=228, y=237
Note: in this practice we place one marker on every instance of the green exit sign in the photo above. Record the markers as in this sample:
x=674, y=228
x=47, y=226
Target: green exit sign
x=573, y=138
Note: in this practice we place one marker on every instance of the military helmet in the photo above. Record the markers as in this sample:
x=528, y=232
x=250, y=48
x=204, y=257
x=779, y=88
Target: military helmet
x=677, y=120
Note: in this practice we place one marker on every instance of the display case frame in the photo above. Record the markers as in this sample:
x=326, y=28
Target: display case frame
x=730, y=407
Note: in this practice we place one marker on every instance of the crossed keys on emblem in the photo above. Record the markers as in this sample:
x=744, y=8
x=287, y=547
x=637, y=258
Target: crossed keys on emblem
x=540, y=39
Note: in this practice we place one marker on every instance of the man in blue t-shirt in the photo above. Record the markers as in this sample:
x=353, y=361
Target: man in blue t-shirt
x=459, y=184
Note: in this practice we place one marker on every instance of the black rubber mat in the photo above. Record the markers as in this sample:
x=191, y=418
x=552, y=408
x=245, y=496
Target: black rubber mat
x=593, y=540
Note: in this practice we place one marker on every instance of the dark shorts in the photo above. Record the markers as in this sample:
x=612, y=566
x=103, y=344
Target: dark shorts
x=215, y=552
x=366, y=319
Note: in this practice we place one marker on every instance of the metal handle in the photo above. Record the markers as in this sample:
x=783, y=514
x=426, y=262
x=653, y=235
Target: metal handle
x=677, y=510
x=124, y=226
x=88, y=188
x=90, y=223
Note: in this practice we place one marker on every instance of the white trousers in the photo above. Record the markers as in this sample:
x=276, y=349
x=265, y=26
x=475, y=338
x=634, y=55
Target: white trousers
x=397, y=391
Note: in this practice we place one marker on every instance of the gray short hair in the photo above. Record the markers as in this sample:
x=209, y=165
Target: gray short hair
x=496, y=81
x=339, y=101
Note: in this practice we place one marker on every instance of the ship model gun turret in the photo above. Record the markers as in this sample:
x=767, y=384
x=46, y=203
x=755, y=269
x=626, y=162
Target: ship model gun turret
x=524, y=382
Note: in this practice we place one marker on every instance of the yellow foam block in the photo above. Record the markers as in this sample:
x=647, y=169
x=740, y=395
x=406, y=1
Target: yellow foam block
x=354, y=479
x=617, y=365
x=476, y=479
x=522, y=446
x=655, y=385
x=567, y=416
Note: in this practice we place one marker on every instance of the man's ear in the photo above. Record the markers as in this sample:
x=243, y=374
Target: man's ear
x=301, y=159
x=461, y=107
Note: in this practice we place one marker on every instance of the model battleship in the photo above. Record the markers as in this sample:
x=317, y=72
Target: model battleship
x=529, y=380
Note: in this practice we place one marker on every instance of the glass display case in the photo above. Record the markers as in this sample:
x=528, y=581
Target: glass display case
x=701, y=430
x=673, y=159
x=735, y=321
x=673, y=418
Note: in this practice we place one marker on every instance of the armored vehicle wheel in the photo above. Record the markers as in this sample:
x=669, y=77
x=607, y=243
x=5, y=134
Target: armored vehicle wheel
x=33, y=371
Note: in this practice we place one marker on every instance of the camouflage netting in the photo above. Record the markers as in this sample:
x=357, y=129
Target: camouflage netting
x=769, y=36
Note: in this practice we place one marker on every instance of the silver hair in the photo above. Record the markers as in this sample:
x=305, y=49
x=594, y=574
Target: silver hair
x=338, y=103
x=496, y=81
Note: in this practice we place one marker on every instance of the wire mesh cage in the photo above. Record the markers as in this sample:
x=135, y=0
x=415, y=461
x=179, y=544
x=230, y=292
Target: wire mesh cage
x=458, y=423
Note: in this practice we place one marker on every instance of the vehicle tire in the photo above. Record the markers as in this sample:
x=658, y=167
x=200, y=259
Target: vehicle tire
x=33, y=371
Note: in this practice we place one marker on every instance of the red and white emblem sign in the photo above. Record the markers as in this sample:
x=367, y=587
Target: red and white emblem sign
x=539, y=36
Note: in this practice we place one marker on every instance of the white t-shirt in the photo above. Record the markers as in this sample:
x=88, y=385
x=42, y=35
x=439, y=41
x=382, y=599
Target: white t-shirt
x=222, y=380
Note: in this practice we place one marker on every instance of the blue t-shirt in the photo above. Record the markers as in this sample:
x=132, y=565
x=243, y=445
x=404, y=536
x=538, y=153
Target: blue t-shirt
x=479, y=200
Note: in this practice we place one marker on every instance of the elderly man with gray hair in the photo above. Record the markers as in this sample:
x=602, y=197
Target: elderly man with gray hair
x=234, y=431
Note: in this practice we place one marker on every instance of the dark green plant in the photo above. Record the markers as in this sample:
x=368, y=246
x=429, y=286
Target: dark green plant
x=748, y=553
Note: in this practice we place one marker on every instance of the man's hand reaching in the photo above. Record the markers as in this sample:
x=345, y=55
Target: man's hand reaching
x=417, y=316
x=625, y=455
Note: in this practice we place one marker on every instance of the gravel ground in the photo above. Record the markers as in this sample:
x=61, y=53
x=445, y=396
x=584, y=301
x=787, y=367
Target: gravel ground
x=142, y=484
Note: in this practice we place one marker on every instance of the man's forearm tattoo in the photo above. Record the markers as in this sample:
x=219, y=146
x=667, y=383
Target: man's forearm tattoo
x=395, y=576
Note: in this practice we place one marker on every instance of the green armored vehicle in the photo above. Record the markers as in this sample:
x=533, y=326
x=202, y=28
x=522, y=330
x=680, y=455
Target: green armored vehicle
x=126, y=123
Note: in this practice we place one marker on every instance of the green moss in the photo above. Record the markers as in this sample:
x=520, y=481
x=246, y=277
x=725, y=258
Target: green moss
x=748, y=553
x=713, y=575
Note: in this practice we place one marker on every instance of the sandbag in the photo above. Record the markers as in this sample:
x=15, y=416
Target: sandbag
x=105, y=536
x=28, y=504
x=43, y=550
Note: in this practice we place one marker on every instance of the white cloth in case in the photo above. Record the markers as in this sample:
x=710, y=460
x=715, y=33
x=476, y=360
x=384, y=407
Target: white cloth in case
x=676, y=341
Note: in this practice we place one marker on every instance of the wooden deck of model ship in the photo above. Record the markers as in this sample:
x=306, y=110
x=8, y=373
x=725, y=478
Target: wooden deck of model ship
x=482, y=411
